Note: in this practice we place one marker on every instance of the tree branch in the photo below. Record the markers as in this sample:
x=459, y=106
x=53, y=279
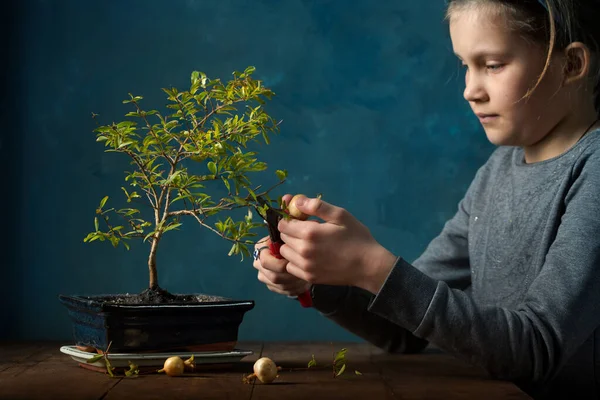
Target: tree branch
x=149, y=126
x=182, y=144
x=168, y=196
x=143, y=171
x=194, y=214
x=203, y=211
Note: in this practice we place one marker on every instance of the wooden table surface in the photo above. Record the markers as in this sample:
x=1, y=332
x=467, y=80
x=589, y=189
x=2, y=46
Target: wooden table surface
x=41, y=371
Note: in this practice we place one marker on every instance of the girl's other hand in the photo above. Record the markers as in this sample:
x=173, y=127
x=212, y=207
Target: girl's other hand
x=272, y=272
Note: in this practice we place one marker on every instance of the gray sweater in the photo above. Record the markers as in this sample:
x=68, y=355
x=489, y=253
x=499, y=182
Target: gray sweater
x=511, y=284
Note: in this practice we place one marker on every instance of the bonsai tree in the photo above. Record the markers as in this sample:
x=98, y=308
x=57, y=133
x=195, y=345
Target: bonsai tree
x=209, y=128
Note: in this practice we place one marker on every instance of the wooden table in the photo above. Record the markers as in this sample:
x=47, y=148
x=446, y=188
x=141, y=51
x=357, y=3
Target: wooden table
x=40, y=371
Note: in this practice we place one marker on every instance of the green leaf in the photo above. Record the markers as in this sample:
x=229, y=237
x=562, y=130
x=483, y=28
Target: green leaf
x=266, y=137
x=239, y=200
x=340, y=355
x=127, y=212
x=357, y=372
x=234, y=249
x=95, y=358
x=171, y=178
x=133, y=369
x=226, y=182
x=114, y=240
x=245, y=251
x=182, y=196
x=148, y=236
x=212, y=167
x=312, y=362
x=125, y=144
x=172, y=226
x=248, y=217
x=256, y=167
x=110, y=369
x=195, y=76
x=341, y=370
x=281, y=174
x=96, y=225
x=132, y=99
x=103, y=201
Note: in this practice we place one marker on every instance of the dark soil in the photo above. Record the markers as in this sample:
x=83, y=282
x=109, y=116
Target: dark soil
x=158, y=295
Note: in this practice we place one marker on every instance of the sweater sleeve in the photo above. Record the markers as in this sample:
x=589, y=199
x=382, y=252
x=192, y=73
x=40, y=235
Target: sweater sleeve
x=445, y=259
x=532, y=341
x=347, y=307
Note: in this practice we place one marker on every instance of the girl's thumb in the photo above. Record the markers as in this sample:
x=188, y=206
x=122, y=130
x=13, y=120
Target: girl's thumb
x=319, y=208
x=301, y=201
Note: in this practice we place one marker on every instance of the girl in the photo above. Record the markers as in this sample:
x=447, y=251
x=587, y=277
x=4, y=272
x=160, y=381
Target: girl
x=512, y=283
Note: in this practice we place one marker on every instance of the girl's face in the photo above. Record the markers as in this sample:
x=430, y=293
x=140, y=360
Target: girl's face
x=501, y=66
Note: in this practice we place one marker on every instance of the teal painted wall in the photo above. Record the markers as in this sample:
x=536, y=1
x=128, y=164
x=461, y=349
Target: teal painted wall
x=370, y=96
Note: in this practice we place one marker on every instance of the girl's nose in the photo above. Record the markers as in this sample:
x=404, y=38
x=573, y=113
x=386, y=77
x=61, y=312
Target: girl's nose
x=474, y=90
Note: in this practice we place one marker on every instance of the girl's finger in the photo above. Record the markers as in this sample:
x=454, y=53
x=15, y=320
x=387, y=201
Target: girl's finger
x=270, y=262
x=292, y=290
x=293, y=243
x=292, y=257
x=299, y=229
x=262, y=278
x=278, y=278
x=279, y=290
x=299, y=273
x=296, y=286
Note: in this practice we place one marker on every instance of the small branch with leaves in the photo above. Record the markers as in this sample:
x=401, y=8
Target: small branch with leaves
x=338, y=365
x=133, y=370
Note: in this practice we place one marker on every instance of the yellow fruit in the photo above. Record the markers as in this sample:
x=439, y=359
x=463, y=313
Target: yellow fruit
x=265, y=370
x=293, y=209
x=173, y=366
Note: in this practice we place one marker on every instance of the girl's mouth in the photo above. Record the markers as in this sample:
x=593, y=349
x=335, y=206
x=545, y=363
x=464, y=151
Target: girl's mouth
x=487, y=118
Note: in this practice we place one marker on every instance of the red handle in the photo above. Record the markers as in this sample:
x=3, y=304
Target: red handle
x=274, y=248
x=304, y=298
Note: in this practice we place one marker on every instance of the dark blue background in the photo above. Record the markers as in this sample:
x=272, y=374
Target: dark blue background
x=369, y=92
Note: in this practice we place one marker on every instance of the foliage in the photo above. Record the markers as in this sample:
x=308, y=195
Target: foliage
x=132, y=372
x=209, y=128
x=338, y=365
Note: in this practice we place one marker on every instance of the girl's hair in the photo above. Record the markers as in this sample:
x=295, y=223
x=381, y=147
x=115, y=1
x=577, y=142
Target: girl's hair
x=553, y=24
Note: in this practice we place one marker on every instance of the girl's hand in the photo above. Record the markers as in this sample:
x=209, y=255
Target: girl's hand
x=338, y=251
x=272, y=272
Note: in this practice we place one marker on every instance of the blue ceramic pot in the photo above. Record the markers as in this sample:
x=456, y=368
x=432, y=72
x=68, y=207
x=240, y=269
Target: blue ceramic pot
x=134, y=328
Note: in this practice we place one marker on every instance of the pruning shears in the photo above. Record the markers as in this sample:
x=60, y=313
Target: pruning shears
x=272, y=216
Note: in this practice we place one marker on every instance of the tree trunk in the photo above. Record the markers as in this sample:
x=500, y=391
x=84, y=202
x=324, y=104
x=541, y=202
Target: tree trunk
x=152, y=263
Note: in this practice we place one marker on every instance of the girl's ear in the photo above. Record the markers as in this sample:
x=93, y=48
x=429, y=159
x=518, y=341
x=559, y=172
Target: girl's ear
x=577, y=62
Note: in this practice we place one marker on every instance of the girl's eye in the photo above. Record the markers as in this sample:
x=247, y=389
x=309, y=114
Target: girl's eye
x=494, y=67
